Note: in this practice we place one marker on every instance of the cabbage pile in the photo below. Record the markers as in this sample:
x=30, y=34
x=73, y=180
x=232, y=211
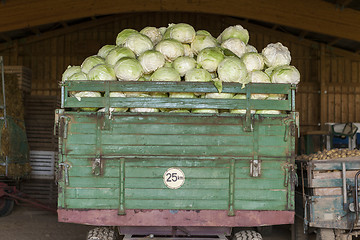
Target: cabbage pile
x=180, y=53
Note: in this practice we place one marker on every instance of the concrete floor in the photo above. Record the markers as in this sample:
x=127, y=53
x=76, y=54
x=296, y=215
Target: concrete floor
x=32, y=224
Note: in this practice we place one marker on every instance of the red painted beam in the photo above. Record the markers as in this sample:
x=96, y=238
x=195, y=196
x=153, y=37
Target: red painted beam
x=204, y=218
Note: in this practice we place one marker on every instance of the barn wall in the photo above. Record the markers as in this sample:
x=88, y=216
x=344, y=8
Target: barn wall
x=328, y=91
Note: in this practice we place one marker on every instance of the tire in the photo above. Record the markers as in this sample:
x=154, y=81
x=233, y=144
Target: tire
x=247, y=235
x=6, y=206
x=325, y=234
x=102, y=233
x=299, y=229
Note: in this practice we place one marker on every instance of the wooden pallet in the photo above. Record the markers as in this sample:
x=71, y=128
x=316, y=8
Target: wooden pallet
x=39, y=121
x=23, y=74
x=43, y=164
x=41, y=190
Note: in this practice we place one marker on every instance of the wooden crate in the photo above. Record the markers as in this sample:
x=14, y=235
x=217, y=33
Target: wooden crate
x=43, y=164
x=23, y=74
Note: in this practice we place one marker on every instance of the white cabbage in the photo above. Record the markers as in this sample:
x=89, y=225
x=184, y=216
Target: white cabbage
x=219, y=95
x=182, y=95
x=117, y=109
x=166, y=74
x=188, y=51
x=197, y=75
x=151, y=60
x=268, y=112
x=86, y=94
x=251, y=48
x=201, y=42
x=91, y=62
x=276, y=54
x=253, y=61
x=209, y=58
x=70, y=71
x=285, y=74
x=240, y=111
x=128, y=69
x=182, y=32
x=232, y=69
x=153, y=33
x=104, y=51
x=235, y=45
x=138, y=43
x=79, y=76
x=118, y=53
x=204, y=110
x=258, y=76
x=171, y=49
x=184, y=64
x=102, y=72
x=123, y=35
x=236, y=31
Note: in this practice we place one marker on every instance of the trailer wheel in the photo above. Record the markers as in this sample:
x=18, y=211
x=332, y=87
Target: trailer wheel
x=325, y=234
x=6, y=206
x=102, y=233
x=247, y=235
x=299, y=229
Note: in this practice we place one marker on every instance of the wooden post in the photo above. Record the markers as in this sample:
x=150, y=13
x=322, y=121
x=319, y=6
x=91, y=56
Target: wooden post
x=323, y=88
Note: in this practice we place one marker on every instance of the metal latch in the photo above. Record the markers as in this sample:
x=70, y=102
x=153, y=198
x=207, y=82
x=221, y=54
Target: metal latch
x=255, y=168
x=97, y=167
x=65, y=166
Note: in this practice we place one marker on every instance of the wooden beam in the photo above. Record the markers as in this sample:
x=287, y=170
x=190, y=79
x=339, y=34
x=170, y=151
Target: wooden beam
x=309, y=15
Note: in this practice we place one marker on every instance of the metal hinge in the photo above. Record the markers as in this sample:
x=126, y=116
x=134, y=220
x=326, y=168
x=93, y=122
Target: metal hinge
x=255, y=168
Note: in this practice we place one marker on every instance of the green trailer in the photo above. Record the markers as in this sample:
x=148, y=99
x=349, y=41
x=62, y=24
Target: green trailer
x=176, y=173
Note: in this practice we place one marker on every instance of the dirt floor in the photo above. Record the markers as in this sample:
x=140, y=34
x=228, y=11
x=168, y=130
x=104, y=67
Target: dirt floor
x=27, y=223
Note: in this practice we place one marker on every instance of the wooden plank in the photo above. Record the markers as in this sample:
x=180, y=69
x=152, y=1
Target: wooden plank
x=327, y=191
x=332, y=174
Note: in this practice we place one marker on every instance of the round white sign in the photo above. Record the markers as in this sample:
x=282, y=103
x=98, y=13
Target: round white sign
x=174, y=178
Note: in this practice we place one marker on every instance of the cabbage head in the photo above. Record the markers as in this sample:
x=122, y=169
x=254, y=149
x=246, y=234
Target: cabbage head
x=268, y=112
x=197, y=75
x=232, y=69
x=102, y=72
x=235, y=45
x=184, y=64
x=86, y=94
x=118, y=94
x=138, y=43
x=117, y=53
x=209, y=58
x=251, y=48
x=187, y=50
x=182, y=95
x=258, y=76
x=240, y=111
x=104, y=51
x=165, y=74
x=276, y=54
x=204, y=110
x=128, y=69
x=91, y=62
x=79, y=76
x=285, y=74
x=253, y=61
x=219, y=95
x=201, y=42
x=236, y=31
x=171, y=49
x=123, y=35
x=153, y=33
x=182, y=32
x=69, y=72
x=151, y=60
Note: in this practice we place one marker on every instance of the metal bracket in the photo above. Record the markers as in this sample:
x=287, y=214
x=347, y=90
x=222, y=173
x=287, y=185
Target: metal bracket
x=65, y=166
x=255, y=168
x=97, y=167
